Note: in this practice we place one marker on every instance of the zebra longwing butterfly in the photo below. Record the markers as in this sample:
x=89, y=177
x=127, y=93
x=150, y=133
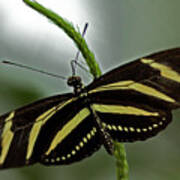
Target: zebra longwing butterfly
x=130, y=103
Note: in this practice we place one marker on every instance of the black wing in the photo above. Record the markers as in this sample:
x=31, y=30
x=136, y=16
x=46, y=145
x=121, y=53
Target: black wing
x=56, y=130
x=134, y=101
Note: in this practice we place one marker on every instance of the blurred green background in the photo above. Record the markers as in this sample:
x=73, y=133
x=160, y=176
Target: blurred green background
x=119, y=31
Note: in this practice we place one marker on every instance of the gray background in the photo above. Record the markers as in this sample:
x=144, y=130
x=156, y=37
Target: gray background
x=119, y=31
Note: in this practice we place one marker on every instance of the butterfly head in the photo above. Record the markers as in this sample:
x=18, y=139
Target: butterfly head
x=76, y=83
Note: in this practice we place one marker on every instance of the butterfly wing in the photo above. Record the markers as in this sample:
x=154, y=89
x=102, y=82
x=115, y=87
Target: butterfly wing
x=65, y=147
x=134, y=101
x=44, y=131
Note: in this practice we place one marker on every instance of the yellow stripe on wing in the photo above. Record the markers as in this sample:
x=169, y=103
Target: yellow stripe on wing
x=165, y=71
x=40, y=121
x=7, y=137
x=119, y=109
x=113, y=86
x=151, y=91
x=67, y=129
x=132, y=85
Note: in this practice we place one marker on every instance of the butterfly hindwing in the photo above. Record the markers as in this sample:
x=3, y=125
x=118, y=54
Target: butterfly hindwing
x=129, y=123
x=134, y=101
x=76, y=140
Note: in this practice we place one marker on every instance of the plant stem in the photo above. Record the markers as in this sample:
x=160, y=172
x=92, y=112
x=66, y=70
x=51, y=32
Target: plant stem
x=120, y=153
x=71, y=32
x=122, y=168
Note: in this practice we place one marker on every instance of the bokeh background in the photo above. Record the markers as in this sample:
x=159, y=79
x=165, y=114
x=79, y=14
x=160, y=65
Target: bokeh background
x=119, y=31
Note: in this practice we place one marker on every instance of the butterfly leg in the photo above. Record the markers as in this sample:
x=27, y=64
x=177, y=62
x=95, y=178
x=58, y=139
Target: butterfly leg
x=106, y=138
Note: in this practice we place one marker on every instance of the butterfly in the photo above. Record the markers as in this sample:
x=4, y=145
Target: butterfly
x=131, y=103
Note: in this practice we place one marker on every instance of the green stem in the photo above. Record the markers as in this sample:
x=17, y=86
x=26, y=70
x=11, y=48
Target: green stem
x=120, y=153
x=122, y=168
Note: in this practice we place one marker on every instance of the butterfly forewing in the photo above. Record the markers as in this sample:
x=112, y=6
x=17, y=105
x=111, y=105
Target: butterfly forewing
x=134, y=101
x=20, y=129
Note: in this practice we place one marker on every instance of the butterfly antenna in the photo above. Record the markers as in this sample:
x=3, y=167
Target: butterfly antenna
x=33, y=69
x=74, y=62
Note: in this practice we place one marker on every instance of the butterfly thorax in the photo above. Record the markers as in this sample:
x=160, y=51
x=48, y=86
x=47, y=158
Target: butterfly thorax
x=76, y=83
